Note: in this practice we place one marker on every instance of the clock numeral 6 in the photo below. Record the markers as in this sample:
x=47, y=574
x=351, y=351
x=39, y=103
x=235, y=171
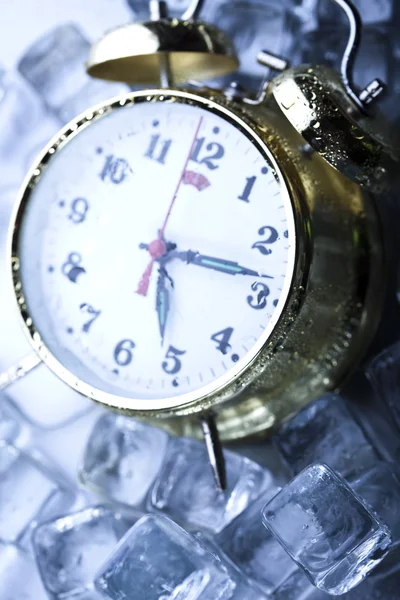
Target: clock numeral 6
x=123, y=352
x=272, y=237
x=260, y=301
x=222, y=339
x=173, y=365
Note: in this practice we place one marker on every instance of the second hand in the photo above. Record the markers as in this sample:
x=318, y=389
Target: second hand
x=145, y=280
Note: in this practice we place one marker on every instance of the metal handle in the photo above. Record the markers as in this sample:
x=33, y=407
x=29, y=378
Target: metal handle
x=193, y=10
x=376, y=87
x=159, y=10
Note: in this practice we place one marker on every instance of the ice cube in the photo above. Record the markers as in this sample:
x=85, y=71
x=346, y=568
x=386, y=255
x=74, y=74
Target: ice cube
x=379, y=487
x=9, y=426
x=55, y=67
x=382, y=584
x=384, y=375
x=327, y=529
x=185, y=489
x=122, y=458
x=298, y=587
x=157, y=560
x=254, y=549
x=19, y=579
x=29, y=493
x=71, y=549
x=325, y=431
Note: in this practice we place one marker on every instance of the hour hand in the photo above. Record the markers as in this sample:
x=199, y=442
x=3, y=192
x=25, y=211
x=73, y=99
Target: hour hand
x=162, y=301
x=217, y=264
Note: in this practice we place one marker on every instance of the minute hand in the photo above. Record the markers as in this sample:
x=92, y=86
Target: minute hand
x=218, y=264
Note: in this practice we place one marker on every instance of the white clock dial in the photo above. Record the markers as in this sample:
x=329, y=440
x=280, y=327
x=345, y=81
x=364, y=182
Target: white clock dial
x=157, y=250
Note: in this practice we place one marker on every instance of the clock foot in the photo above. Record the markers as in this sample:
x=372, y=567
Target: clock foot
x=19, y=370
x=214, y=449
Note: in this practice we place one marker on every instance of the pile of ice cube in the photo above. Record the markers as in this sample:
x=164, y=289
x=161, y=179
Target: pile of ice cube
x=147, y=522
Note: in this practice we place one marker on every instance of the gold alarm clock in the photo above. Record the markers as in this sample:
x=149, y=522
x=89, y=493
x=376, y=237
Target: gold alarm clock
x=206, y=259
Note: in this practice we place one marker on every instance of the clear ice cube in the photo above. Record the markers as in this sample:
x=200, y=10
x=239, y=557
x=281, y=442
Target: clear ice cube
x=9, y=426
x=325, y=431
x=122, y=458
x=254, y=549
x=327, y=529
x=382, y=584
x=55, y=67
x=384, y=375
x=71, y=549
x=185, y=489
x=157, y=560
x=379, y=487
x=29, y=493
x=19, y=578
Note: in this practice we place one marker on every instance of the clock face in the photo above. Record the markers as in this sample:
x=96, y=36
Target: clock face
x=157, y=251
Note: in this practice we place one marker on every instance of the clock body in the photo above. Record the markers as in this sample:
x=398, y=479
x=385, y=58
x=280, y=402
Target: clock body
x=173, y=253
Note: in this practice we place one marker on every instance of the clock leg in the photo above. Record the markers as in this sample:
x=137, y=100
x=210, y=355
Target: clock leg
x=214, y=449
x=19, y=370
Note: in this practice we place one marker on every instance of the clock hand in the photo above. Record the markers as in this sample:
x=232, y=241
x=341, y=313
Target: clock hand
x=217, y=264
x=162, y=300
x=145, y=280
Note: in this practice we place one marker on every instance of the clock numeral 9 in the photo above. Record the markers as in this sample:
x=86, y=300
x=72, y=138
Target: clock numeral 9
x=173, y=365
x=272, y=237
x=222, y=339
x=261, y=299
x=123, y=352
x=79, y=208
x=209, y=161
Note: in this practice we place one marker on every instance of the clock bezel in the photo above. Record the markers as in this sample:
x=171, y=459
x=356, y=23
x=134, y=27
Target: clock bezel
x=220, y=389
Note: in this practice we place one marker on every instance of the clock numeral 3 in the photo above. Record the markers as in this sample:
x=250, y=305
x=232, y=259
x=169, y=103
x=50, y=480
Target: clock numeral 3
x=222, y=339
x=115, y=169
x=88, y=308
x=79, y=208
x=123, y=354
x=158, y=150
x=72, y=267
x=173, y=365
x=260, y=301
x=217, y=152
x=262, y=244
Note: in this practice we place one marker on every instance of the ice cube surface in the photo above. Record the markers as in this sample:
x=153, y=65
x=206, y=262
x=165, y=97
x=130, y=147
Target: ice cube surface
x=29, y=493
x=379, y=487
x=122, y=458
x=72, y=548
x=9, y=426
x=185, y=489
x=325, y=431
x=384, y=375
x=254, y=549
x=55, y=66
x=327, y=529
x=19, y=578
x=157, y=560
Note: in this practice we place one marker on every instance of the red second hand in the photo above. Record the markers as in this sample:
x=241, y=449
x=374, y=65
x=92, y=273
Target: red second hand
x=158, y=245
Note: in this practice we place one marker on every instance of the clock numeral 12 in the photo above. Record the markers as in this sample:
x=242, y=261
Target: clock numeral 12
x=158, y=150
x=209, y=160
